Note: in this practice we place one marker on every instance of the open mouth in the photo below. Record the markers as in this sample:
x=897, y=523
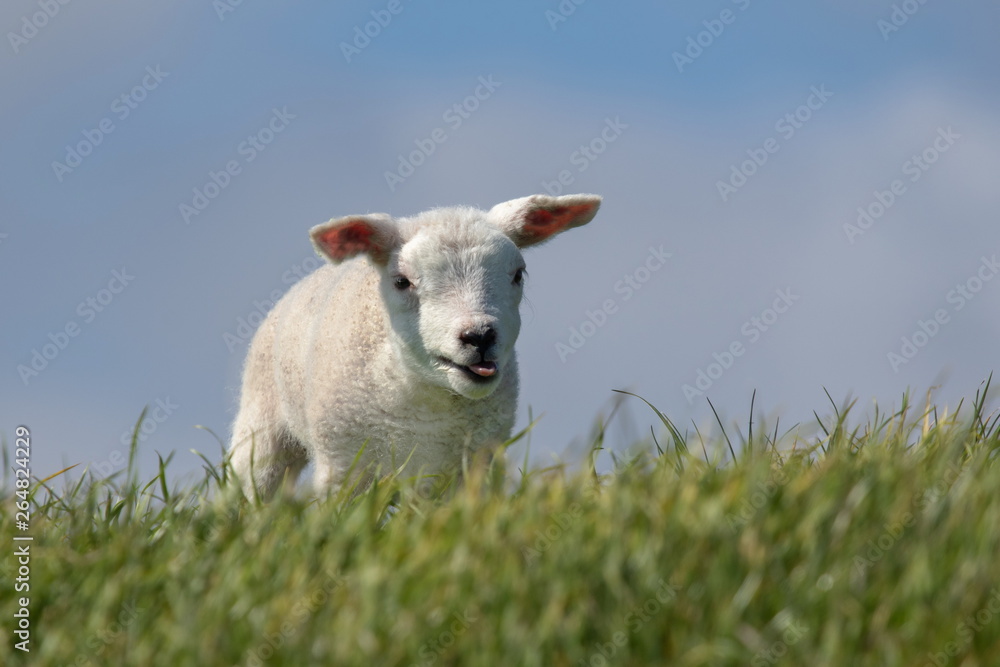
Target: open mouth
x=481, y=371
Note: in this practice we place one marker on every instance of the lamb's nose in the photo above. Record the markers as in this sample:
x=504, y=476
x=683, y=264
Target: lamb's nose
x=480, y=339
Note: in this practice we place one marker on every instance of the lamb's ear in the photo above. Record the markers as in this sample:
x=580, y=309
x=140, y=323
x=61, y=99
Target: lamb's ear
x=375, y=234
x=534, y=219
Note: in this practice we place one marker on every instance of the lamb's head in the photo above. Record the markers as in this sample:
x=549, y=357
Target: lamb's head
x=452, y=280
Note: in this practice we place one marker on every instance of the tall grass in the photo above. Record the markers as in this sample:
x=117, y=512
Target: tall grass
x=873, y=544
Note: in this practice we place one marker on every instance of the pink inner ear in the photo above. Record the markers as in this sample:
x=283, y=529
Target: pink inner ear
x=544, y=222
x=347, y=241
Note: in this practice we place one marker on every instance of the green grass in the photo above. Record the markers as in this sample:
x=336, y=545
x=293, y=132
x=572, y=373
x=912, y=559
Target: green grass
x=872, y=545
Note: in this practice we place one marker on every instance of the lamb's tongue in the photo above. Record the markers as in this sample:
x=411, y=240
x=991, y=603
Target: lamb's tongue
x=483, y=368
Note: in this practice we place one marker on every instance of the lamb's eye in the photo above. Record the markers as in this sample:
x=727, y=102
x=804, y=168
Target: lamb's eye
x=401, y=283
x=519, y=276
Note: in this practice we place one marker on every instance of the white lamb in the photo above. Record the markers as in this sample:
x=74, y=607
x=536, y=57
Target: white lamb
x=404, y=353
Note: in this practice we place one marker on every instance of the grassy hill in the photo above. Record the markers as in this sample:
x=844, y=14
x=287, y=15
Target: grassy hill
x=875, y=545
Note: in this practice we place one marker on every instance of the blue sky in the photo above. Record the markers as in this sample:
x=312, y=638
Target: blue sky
x=221, y=77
